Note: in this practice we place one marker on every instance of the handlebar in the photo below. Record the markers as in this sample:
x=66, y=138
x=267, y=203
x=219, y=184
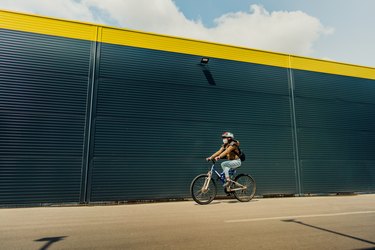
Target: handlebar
x=212, y=160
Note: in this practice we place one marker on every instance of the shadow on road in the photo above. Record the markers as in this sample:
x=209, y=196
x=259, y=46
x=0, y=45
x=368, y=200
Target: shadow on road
x=330, y=231
x=225, y=200
x=236, y=201
x=212, y=203
x=49, y=241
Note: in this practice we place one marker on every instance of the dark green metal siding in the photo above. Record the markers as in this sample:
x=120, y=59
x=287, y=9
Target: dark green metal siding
x=336, y=121
x=84, y=121
x=43, y=88
x=158, y=117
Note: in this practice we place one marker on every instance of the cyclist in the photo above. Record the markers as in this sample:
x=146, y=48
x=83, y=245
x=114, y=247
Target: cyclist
x=230, y=151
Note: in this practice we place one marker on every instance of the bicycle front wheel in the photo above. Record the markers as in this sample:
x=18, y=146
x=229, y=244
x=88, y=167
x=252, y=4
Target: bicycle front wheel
x=244, y=188
x=203, y=190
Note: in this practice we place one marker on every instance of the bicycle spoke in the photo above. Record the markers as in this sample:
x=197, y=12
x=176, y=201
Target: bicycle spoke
x=244, y=188
x=203, y=196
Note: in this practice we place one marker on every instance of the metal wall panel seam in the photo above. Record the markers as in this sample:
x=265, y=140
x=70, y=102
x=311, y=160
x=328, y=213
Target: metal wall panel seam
x=294, y=127
x=89, y=132
x=91, y=144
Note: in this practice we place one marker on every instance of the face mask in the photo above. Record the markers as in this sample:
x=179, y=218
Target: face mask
x=225, y=140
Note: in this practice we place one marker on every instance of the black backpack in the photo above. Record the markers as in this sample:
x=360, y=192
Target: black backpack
x=240, y=153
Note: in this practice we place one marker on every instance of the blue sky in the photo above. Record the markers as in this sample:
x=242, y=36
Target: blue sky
x=353, y=38
x=339, y=30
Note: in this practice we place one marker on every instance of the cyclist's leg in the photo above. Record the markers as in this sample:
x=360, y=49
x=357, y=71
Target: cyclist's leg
x=227, y=165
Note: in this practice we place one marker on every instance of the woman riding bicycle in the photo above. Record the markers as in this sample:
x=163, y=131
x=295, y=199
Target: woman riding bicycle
x=230, y=151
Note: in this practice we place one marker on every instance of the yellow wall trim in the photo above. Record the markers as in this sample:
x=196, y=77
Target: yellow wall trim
x=192, y=47
x=329, y=67
x=47, y=26
x=92, y=32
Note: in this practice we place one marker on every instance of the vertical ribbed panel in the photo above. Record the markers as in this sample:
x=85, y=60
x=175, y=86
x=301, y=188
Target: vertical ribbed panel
x=43, y=88
x=159, y=115
x=336, y=132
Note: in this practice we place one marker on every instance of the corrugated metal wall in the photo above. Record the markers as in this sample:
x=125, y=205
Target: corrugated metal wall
x=158, y=117
x=86, y=121
x=43, y=88
x=336, y=132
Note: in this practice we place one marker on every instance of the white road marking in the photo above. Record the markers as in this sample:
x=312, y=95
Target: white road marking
x=291, y=217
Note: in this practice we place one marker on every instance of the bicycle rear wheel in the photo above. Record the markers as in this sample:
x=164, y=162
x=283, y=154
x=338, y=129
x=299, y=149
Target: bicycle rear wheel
x=246, y=189
x=198, y=193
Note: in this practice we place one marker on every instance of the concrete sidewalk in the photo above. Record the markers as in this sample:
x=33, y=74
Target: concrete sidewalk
x=332, y=222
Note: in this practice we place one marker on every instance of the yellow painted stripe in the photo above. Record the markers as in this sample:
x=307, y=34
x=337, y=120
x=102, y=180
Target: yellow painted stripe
x=193, y=47
x=332, y=67
x=47, y=26
x=93, y=32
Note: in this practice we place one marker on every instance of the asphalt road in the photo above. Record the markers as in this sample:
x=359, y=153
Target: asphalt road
x=346, y=222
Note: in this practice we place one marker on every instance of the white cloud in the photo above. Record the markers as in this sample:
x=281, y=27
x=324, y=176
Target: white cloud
x=282, y=31
x=292, y=32
x=160, y=16
x=68, y=9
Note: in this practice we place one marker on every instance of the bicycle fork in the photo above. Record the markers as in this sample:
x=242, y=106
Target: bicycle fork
x=207, y=182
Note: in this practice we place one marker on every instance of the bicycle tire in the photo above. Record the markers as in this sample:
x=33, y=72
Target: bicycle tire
x=202, y=198
x=247, y=194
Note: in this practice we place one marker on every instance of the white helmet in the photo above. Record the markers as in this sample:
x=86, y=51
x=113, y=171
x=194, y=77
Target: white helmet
x=227, y=135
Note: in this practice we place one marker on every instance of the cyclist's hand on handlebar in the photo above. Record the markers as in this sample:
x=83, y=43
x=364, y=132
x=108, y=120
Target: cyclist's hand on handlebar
x=217, y=158
x=208, y=159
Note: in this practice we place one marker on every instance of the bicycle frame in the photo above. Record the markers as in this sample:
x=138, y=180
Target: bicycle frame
x=222, y=179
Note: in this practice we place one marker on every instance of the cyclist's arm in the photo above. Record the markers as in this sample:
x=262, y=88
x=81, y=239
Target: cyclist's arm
x=227, y=151
x=217, y=153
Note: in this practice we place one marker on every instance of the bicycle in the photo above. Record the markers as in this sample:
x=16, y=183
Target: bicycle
x=203, y=187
